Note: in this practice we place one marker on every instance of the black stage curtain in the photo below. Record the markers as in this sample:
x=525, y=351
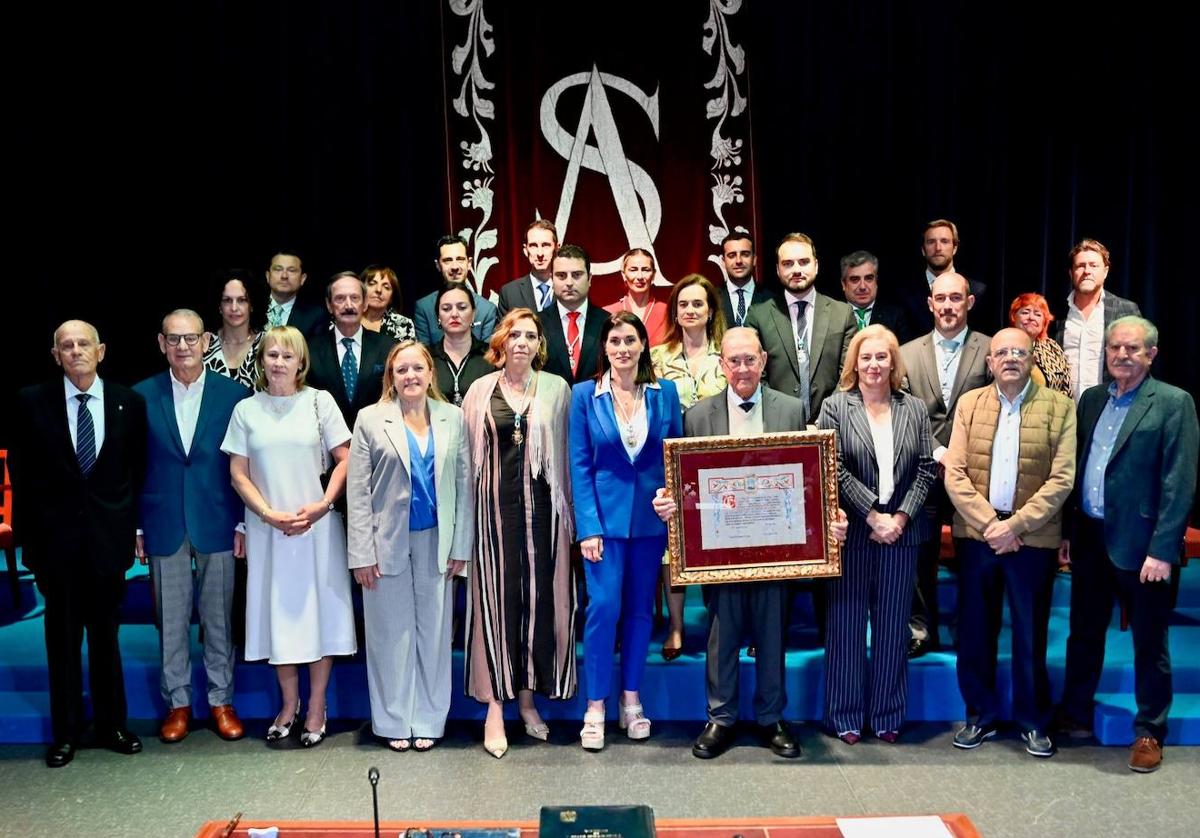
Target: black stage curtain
x=170, y=140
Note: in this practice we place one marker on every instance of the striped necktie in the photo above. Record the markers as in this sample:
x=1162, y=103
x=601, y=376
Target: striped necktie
x=85, y=436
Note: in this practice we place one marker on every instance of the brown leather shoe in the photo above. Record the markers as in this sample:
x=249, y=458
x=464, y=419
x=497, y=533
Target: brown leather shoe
x=175, y=725
x=1145, y=755
x=229, y=726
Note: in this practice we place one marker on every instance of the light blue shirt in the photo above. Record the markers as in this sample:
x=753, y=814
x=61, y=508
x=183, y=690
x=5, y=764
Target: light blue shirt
x=947, y=360
x=1006, y=452
x=1103, y=439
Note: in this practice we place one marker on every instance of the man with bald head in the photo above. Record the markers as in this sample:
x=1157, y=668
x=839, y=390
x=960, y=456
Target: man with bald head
x=744, y=409
x=1010, y=468
x=942, y=365
x=77, y=458
x=188, y=514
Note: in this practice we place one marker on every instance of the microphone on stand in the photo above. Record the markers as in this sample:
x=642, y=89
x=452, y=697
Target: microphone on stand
x=373, y=776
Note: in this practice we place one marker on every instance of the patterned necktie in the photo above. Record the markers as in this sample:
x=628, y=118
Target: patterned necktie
x=85, y=436
x=573, y=339
x=863, y=316
x=543, y=295
x=349, y=368
x=949, y=350
x=740, y=317
x=802, y=358
x=274, y=314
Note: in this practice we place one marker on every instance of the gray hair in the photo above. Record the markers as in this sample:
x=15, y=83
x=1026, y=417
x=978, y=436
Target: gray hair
x=859, y=257
x=362, y=286
x=182, y=312
x=1149, y=330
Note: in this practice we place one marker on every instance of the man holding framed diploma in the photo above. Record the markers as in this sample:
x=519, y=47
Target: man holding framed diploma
x=758, y=507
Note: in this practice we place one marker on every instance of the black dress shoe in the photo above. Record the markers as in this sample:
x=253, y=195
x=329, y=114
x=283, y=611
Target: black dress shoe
x=779, y=739
x=59, y=754
x=712, y=741
x=121, y=741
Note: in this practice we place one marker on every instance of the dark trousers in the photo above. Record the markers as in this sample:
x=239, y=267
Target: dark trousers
x=1095, y=581
x=732, y=609
x=76, y=602
x=874, y=587
x=1027, y=576
x=925, y=617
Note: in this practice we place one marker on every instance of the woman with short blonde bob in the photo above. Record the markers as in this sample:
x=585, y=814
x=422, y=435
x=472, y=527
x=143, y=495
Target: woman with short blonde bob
x=885, y=470
x=641, y=299
x=280, y=442
x=521, y=605
x=408, y=500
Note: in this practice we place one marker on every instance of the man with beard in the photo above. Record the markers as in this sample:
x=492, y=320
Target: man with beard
x=939, y=246
x=741, y=289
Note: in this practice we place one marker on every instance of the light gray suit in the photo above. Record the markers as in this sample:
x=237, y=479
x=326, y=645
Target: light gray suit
x=407, y=615
x=761, y=605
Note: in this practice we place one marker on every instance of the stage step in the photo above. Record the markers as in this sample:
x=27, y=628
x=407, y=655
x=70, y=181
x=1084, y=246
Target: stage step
x=1113, y=722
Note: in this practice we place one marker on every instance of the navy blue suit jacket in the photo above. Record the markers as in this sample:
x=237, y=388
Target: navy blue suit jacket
x=613, y=494
x=188, y=493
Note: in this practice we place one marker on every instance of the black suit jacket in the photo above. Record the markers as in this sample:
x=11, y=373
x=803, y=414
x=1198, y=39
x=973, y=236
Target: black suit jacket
x=1114, y=307
x=310, y=319
x=761, y=295
x=558, y=360
x=894, y=318
x=517, y=293
x=67, y=522
x=325, y=373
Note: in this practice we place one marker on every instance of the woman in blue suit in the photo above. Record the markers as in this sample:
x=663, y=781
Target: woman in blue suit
x=885, y=470
x=618, y=424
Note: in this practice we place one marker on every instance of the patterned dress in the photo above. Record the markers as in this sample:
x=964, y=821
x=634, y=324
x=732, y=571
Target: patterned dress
x=521, y=604
x=398, y=326
x=1051, y=363
x=670, y=364
x=246, y=374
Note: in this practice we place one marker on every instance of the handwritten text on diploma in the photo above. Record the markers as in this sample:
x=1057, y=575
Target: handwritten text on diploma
x=756, y=506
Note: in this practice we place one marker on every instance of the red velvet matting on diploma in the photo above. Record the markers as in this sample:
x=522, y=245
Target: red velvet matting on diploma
x=959, y=825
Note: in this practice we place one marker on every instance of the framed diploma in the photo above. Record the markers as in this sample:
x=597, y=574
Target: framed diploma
x=753, y=508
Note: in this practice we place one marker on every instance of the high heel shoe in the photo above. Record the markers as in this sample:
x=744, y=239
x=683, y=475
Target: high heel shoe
x=497, y=746
x=277, y=732
x=541, y=731
x=634, y=722
x=312, y=738
x=592, y=735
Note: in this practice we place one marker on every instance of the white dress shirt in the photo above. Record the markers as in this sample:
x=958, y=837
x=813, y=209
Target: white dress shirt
x=810, y=299
x=187, y=399
x=731, y=288
x=1083, y=343
x=1006, y=452
x=357, y=337
x=95, y=406
x=881, y=435
x=537, y=295
x=563, y=311
x=641, y=427
x=742, y=423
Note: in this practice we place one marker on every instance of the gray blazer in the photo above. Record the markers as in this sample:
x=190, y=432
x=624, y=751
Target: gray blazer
x=710, y=417
x=922, y=380
x=858, y=470
x=379, y=488
x=1114, y=308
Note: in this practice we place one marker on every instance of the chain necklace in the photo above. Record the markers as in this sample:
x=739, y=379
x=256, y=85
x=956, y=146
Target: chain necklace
x=520, y=407
x=625, y=420
x=279, y=405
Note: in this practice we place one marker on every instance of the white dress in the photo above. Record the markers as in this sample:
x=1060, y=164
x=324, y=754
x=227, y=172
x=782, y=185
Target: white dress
x=298, y=605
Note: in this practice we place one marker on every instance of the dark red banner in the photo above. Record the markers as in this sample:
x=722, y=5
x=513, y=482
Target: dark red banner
x=627, y=127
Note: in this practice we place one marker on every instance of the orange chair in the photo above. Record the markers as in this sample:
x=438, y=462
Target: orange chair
x=7, y=545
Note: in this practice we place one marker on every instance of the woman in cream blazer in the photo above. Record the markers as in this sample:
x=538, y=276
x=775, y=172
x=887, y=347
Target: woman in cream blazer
x=410, y=529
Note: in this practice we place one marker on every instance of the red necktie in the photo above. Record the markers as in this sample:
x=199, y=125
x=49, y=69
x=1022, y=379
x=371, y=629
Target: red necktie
x=573, y=339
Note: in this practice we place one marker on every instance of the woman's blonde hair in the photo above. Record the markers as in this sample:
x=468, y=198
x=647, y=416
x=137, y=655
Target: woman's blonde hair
x=497, y=357
x=849, y=379
x=285, y=337
x=389, y=380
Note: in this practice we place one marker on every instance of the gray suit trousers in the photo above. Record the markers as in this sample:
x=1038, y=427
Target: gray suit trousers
x=174, y=598
x=407, y=621
x=732, y=609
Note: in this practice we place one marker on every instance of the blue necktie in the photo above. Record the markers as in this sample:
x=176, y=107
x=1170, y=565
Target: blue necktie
x=544, y=292
x=85, y=436
x=741, y=311
x=949, y=350
x=349, y=368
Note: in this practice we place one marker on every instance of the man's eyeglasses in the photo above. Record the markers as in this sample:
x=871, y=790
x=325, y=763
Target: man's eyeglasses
x=1018, y=354
x=190, y=340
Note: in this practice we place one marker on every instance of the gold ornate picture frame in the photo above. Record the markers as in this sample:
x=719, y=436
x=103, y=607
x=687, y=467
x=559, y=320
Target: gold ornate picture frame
x=751, y=509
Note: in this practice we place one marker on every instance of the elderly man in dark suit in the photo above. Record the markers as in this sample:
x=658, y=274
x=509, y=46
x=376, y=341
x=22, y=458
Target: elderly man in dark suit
x=571, y=324
x=190, y=513
x=532, y=291
x=941, y=365
x=1090, y=310
x=805, y=334
x=77, y=461
x=860, y=284
x=285, y=278
x=744, y=408
x=348, y=360
x=1136, y=480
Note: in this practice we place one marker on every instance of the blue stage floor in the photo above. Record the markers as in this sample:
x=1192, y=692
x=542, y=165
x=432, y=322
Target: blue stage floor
x=672, y=691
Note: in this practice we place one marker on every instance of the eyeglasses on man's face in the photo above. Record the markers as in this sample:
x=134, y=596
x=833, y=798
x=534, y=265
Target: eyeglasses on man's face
x=190, y=340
